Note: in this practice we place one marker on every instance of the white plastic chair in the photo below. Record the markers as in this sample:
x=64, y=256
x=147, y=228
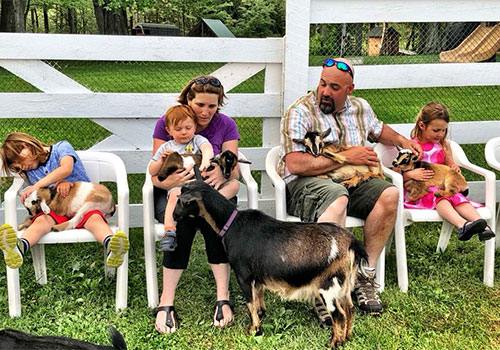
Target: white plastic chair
x=387, y=154
x=492, y=154
x=272, y=159
x=154, y=229
x=100, y=167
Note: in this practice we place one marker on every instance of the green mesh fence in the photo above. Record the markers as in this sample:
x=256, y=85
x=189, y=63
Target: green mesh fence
x=116, y=77
x=364, y=44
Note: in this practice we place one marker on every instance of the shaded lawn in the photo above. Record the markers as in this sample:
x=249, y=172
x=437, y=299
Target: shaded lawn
x=447, y=306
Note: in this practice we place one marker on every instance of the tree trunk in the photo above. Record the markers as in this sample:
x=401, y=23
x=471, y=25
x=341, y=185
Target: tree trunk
x=46, y=20
x=72, y=20
x=12, y=16
x=109, y=22
x=428, y=38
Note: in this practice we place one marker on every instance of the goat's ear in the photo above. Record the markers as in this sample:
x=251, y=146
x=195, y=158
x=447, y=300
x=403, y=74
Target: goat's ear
x=244, y=161
x=301, y=141
x=327, y=143
x=398, y=148
x=45, y=208
x=326, y=133
x=197, y=172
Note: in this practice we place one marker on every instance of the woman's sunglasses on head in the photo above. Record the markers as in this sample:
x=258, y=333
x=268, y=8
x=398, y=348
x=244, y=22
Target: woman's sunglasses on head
x=212, y=81
x=344, y=67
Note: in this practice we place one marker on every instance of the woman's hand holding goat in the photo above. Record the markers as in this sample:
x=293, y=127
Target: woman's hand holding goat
x=177, y=179
x=214, y=177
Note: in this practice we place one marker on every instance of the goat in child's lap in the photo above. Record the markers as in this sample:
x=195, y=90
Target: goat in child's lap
x=294, y=260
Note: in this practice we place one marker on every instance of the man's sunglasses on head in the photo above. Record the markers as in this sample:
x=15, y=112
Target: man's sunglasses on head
x=342, y=66
x=212, y=81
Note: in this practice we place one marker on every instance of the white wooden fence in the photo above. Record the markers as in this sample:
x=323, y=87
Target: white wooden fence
x=131, y=116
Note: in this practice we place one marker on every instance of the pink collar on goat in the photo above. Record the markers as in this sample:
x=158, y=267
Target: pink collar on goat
x=228, y=223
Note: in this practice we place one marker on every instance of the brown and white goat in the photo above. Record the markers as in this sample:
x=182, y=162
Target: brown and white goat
x=83, y=197
x=294, y=260
x=226, y=160
x=447, y=180
x=349, y=175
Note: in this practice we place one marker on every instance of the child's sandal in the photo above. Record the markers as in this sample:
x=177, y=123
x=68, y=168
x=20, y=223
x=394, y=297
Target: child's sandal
x=219, y=314
x=470, y=228
x=170, y=320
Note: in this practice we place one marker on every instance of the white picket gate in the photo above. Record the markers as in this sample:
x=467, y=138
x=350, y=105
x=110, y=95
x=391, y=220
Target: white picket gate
x=131, y=116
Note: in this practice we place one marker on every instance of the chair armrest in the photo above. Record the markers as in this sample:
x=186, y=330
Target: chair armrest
x=11, y=201
x=278, y=183
x=148, y=206
x=397, y=178
x=489, y=177
x=490, y=151
x=123, y=192
x=249, y=181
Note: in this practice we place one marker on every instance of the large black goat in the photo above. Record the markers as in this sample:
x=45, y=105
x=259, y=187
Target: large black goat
x=294, y=260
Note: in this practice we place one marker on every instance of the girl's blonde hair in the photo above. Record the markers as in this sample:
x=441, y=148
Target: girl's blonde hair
x=431, y=111
x=10, y=152
x=202, y=84
x=176, y=114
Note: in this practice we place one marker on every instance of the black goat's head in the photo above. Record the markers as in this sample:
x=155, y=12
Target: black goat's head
x=188, y=202
x=405, y=160
x=227, y=161
x=313, y=141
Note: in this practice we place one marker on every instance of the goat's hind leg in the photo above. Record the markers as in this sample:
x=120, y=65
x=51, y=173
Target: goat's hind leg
x=329, y=295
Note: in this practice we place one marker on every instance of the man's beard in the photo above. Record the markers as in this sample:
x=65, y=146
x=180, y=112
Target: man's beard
x=327, y=106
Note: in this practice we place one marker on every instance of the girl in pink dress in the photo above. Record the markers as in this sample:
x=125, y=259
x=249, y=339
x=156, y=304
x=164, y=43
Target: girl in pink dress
x=430, y=132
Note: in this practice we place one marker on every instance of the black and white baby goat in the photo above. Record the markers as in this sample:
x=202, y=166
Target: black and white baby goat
x=294, y=260
x=226, y=160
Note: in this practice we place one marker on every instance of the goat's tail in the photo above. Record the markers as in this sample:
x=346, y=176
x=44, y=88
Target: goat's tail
x=360, y=255
x=117, y=339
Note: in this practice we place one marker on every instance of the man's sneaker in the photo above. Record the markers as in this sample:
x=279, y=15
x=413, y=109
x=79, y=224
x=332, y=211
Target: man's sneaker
x=117, y=247
x=325, y=319
x=10, y=246
x=365, y=291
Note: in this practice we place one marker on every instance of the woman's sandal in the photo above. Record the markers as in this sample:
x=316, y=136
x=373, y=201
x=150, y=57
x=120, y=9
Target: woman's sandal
x=470, y=228
x=219, y=315
x=170, y=321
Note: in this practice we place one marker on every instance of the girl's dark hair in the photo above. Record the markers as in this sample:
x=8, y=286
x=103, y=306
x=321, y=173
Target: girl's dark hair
x=202, y=84
x=429, y=112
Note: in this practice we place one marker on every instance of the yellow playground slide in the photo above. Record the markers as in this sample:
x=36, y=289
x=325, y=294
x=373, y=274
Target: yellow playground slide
x=480, y=45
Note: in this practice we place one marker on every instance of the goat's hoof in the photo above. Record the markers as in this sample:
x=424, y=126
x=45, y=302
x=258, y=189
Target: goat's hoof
x=335, y=344
x=255, y=331
x=261, y=313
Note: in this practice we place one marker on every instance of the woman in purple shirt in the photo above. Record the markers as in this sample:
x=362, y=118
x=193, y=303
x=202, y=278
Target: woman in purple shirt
x=205, y=95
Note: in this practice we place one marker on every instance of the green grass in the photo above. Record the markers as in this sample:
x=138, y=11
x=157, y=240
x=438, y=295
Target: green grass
x=447, y=306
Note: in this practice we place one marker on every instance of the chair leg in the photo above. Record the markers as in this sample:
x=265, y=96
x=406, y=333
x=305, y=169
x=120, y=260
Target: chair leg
x=122, y=284
x=38, y=254
x=489, y=257
x=401, y=263
x=109, y=272
x=13, y=292
x=151, y=269
x=497, y=230
x=380, y=271
x=444, y=237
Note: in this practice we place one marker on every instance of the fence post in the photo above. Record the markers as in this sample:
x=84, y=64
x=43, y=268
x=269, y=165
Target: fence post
x=296, y=60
